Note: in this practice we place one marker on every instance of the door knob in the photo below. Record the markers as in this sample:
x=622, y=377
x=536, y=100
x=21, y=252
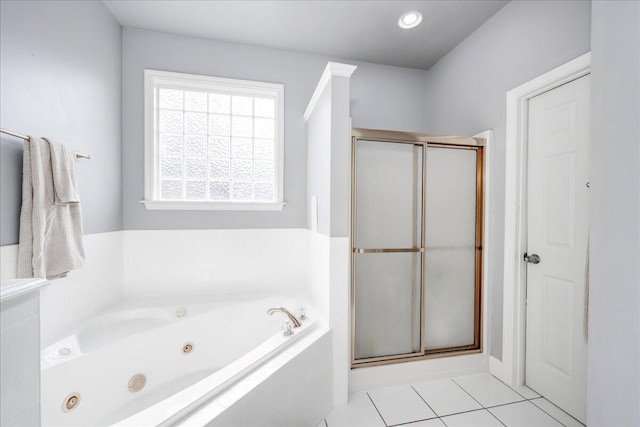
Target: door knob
x=533, y=258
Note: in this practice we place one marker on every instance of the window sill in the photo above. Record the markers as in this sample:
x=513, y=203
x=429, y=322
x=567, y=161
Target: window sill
x=212, y=206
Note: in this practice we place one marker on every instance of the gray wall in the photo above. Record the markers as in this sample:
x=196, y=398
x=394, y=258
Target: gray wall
x=613, y=388
x=382, y=97
x=60, y=77
x=466, y=92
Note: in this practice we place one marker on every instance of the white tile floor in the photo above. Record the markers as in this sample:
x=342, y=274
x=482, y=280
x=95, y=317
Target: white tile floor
x=471, y=401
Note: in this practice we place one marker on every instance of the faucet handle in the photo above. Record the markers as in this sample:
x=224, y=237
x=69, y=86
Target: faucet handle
x=302, y=314
x=287, y=328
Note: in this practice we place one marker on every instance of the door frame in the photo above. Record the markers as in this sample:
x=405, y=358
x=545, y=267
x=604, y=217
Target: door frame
x=512, y=368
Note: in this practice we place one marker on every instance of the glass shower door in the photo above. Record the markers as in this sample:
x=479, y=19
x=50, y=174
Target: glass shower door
x=417, y=246
x=388, y=249
x=451, y=247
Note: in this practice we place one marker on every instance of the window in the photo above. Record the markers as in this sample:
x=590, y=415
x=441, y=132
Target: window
x=212, y=143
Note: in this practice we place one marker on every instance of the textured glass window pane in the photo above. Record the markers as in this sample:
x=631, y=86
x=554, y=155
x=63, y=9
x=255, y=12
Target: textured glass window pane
x=219, y=147
x=265, y=107
x=242, y=191
x=195, y=190
x=263, y=171
x=241, y=170
x=219, y=103
x=170, y=144
x=242, y=105
x=195, y=123
x=242, y=126
x=171, y=167
x=264, y=128
x=219, y=191
x=219, y=124
x=171, y=189
x=195, y=145
x=170, y=121
x=195, y=101
x=264, y=192
x=171, y=99
x=219, y=169
x=195, y=168
x=263, y=149
x=241, y=148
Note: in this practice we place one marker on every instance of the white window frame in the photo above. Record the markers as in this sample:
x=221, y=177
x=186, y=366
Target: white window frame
x=152, y=80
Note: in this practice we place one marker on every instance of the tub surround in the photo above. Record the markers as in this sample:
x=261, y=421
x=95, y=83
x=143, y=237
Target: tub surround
x=13, y=288
x=161, y=263
x=292, y=389
x=19, y=346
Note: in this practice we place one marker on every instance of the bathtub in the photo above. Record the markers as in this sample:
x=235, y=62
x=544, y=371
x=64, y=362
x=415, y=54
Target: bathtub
x=174, y=362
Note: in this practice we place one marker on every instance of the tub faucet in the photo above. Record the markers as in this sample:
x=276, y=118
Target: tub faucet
x=294, y=319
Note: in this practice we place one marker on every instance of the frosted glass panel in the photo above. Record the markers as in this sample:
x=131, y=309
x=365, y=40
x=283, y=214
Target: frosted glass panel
x=264, y=107
x=170, y=144
x=241, y=148
x=387, y=310
x=451, y=197
x=389, y=195
x=195, y=101
x=450, y=285
x=195, y=145
x=217, y=146
x=171, y=167
x=196, y=190
x=170, y=189
x=171, y=99
x=450, y=298
x=195, y=123
x=195, y=168
x=219, y=103
x=242, y=126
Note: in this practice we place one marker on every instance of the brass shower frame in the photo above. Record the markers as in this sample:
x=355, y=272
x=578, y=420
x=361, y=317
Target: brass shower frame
x=424, y=140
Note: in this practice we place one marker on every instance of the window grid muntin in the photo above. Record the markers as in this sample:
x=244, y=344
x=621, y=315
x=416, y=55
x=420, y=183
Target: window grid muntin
x=249, y=182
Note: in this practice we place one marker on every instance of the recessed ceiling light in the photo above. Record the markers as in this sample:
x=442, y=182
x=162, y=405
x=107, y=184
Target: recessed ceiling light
x=410, y=19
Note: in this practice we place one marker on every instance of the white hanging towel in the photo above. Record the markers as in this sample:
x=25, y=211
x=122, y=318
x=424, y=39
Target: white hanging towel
x=50, y=219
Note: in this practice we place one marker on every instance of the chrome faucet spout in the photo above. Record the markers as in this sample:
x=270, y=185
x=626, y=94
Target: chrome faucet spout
x=296, y=322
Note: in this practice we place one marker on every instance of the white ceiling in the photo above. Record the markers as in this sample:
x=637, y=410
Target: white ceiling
x=357, y=30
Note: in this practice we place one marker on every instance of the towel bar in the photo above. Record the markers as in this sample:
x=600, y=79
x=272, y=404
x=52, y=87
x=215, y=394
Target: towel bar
x=25, y=137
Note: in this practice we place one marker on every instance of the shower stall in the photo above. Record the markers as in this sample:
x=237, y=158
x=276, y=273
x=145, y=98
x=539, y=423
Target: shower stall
x=416, y=239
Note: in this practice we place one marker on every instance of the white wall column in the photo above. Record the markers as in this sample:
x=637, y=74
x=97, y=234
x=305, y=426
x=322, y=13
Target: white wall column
x=329, y=195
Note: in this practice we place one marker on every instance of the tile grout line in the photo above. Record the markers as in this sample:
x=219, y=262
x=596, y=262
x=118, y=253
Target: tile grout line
x=494, y=416
x=466, y=412
x=463, y=389
x=376, y=408
x=574, y=418
x=522, y=401
x=505, y=404
x=479, y=403
x=561, y=423
x=540, y=396
x=425, y=402
x=415, y=421
x=514, y=390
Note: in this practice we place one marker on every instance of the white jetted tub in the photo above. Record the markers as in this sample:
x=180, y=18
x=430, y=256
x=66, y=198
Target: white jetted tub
x=149, y=365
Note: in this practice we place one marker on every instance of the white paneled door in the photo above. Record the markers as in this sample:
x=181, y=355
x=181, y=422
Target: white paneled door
x=557, y=240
